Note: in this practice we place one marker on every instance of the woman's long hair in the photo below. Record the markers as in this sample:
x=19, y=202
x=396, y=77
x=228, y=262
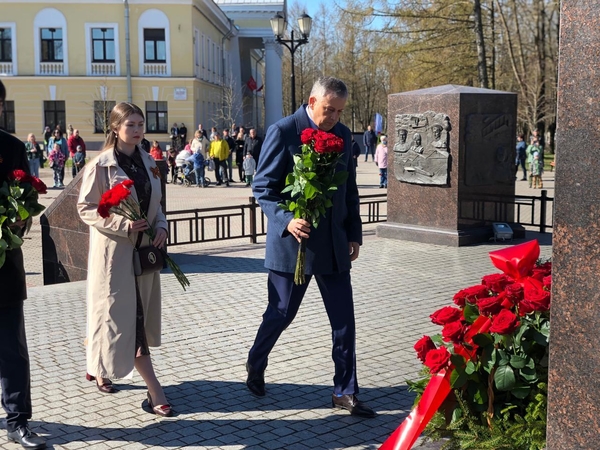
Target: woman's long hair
x=118, y=115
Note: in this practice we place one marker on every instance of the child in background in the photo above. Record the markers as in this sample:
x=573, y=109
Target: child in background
x=156, y=151
x=79, y=159
x=537, y=168
x=249, y=168
x=57, y=163
x=197, y=159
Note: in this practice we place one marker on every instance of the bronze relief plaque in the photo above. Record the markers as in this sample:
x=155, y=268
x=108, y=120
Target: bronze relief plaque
x=421, y=152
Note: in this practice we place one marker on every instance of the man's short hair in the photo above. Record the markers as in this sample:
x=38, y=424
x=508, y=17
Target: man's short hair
x=325, y=86
x=2, y=92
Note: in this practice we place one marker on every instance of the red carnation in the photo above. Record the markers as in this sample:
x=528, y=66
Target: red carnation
x=535, y=300
x=504, y=323
x=424, y=346
x=437, y=359
x=446, y=315
x=491, y=305
x=495, y=282
x=308, y=135
x=113, y=197
x=471, y=294
x=453, y=331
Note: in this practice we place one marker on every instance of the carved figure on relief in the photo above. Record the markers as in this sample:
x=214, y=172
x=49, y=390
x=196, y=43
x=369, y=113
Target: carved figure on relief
x=425, y=160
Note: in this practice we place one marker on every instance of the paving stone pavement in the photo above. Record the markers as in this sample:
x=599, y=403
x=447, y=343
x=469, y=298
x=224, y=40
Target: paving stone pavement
x=207, y=332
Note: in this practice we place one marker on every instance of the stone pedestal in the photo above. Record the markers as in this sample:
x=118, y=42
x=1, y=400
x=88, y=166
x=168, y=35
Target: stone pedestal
x=574, y=394
x=65, y=238
x=451, y=153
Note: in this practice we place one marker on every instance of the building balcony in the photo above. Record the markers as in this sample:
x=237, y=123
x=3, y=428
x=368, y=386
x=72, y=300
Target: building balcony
x=52, y=68
x=6, y=68
x=104, y=69
x=155, y=70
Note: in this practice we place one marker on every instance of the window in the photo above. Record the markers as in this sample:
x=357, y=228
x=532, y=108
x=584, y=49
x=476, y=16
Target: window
x=7, y=119
x=52, y=45
x=103, y=45
x=5, y=45
x=155, y=48
x=102, y=109
x=54, y=114
x=156, y=117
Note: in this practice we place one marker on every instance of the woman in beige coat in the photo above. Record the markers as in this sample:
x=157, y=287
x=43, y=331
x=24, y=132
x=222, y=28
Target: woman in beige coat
x=123, y=310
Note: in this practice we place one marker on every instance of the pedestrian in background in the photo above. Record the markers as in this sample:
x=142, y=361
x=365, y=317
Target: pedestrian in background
x=249, y=168
x=57, y=138
x=35, y=155
x=381, y=158
x=57, y=164
x=369, y=141
x=521, y=157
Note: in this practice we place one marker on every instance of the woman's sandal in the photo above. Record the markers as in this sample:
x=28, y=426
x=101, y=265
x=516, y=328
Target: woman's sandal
x=160, y=410
x=106, y=388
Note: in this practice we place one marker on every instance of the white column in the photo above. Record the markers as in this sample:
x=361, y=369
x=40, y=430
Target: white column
x=273, y=84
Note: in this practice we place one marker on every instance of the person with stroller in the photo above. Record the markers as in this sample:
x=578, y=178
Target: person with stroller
x=180, y=162
x=197, y=159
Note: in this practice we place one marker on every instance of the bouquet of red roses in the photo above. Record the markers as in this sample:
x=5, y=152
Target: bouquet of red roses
x=18, y=202
x=493, y=353
x=313, y=183
x=118, y=201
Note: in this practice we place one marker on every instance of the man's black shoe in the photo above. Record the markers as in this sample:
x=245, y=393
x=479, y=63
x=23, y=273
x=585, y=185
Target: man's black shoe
x=255, y=381
x=351, y=403
x=27, y=438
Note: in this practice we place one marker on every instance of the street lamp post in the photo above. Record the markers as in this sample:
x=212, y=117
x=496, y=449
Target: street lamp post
x=278, y=26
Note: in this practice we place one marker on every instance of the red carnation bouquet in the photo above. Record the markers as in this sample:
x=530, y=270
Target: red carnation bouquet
x=492, y=353
x=313, y=183
x=18, y=202
x=118, y=201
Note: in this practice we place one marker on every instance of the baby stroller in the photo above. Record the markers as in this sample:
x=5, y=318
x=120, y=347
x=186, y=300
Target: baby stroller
x=187, y=176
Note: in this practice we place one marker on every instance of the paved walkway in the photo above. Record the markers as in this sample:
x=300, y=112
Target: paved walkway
x=208, y=330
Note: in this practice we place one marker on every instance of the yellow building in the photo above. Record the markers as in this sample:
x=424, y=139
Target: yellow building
x=68, y=61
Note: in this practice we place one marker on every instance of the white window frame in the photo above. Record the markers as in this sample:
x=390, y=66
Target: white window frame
x=13, y=44
x=158, y=19
x=50, y=18
x=197, y=53
x=90, y=51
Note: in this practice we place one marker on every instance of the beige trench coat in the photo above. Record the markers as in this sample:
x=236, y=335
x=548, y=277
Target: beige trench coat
x=111, y=300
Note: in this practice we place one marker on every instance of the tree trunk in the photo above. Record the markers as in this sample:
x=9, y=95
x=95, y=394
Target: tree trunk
x=480, y=42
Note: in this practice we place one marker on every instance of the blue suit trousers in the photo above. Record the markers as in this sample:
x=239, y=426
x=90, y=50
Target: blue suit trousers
x=284, y=301
x=14, y=367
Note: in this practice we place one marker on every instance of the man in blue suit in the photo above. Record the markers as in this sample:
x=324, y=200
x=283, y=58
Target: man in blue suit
x=330, y=248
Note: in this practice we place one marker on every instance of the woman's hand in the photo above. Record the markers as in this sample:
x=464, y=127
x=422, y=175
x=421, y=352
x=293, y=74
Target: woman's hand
x=299, y=228
x=161, y=238
x=138, y=225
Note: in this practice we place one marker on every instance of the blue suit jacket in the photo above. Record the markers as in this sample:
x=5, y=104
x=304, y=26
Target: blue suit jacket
x=327, y=246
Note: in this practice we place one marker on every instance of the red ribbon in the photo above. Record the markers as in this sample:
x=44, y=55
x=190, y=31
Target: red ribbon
x=516, y=262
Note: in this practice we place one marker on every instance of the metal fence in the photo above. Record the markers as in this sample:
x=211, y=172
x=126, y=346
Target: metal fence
x=526, y=210
x=248, y=221
x=244, y=221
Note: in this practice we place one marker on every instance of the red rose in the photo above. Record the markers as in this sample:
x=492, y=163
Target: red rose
x=504, y=323
x=328, y=142
x=453, y=331
x=308, y=135
x=446, y=315
x=471, y=294
x=535, y=300
x=547, y=281
x=437, y=359
x=18, y=175
x=495, y=282
x=514, y=292
x=491, y=305
x=38, y=185
x=424, y=346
